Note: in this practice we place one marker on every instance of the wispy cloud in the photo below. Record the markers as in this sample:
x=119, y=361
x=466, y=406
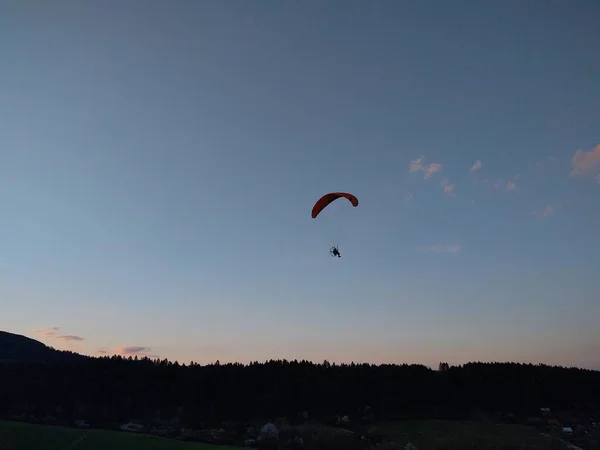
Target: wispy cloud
x=53, y=333
x=444, y=248
x=598, y=178
x=418, y=165
x=132, y=350
x=432, y=168
x=69, y=337
x=509, y=185
x=408, y=197
x=476, y=166
x=135, y=350
x=585, y=162
x=447, y=187
x=546, y=212
x=47, y=332
x=102, y=351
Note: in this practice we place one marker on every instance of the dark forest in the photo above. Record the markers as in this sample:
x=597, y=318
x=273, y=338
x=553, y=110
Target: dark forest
x=116, y=389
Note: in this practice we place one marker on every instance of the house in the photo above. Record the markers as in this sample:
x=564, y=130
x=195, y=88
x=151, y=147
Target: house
x=132, y=427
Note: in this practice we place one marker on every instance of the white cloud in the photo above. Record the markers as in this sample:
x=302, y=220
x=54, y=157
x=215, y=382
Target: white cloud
x=511, y=186
x=584, y=162
x=476, y=166
x=417, y=165
x=432, y=169
x=408, y=197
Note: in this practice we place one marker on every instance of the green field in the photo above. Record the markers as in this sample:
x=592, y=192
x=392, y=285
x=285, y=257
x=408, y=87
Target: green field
x=425, y=434
x=24, y=436
x=442, y=434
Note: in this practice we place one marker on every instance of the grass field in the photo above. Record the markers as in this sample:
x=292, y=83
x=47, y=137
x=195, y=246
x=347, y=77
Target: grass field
x=441, y=434
x=425, y=434
x=24, y=436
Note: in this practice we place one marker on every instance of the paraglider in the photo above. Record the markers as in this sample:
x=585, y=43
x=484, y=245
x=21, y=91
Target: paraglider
x=328, y=198
x=323, y=202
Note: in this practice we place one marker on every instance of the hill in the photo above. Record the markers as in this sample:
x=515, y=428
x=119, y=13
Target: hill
x=17, y=348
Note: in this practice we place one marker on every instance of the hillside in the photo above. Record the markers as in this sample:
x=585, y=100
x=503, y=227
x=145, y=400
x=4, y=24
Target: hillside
x=18, y=348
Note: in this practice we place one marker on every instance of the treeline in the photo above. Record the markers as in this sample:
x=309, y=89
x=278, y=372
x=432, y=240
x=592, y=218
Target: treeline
x=115, y=389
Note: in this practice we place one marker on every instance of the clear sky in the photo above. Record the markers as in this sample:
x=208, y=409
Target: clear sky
x=159, y=161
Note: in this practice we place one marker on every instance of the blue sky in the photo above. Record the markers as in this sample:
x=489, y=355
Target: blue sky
x=159, y=163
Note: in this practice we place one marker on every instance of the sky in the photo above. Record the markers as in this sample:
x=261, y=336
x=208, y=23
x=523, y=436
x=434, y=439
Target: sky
x=159, y=162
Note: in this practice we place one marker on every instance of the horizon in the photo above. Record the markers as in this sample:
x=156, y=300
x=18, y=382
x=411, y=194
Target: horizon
x=436, y=368
x=159, y=165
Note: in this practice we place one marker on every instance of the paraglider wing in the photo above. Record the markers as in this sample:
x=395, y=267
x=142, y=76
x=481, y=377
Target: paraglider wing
x=328, y=198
